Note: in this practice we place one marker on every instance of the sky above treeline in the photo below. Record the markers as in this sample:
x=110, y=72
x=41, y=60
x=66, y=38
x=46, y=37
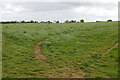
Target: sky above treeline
x=50, y=10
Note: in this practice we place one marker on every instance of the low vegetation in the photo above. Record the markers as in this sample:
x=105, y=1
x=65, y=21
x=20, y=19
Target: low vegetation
x=67, y=50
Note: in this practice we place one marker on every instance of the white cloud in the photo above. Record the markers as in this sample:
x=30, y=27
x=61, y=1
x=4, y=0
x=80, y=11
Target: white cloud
x=106, y=1
x=8, y=5
x=60, y=11
x=97, y=11
x=10, y=8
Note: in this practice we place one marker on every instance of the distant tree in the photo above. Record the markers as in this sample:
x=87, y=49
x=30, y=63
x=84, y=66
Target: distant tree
x=42, y=22
x=49, y=22
x=67, y=21
x=57, y=21
x=98, y=21
x=36, y=21
x=72, y=21
x=12, y=22
x=82, y=21
x=17, y=22
x=8, y=22
x=22, y=21
x=109, y=20
x=31, y=21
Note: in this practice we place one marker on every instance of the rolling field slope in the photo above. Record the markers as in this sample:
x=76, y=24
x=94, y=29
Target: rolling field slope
x=76, y=50
x=0, y=51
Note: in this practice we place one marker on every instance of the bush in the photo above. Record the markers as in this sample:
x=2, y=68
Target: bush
x=82, y=21
x=24, y=32
x=98, y=21
x=57, y=21
x=109, y=20
x=67, y=21
x=72, y=21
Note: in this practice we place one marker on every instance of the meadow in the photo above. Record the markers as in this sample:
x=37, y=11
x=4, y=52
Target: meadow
x=0, y=51
x=60, y=50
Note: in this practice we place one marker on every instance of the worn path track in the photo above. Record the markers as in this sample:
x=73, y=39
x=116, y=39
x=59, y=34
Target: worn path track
x=37, y=51
x=111, y=48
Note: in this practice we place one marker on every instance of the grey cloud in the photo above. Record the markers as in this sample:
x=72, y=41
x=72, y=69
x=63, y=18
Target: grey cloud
x=58, y=6
x=55, y=10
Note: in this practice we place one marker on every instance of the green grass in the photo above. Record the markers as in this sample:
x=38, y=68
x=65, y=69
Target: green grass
x=0, y=51
x=72, y=50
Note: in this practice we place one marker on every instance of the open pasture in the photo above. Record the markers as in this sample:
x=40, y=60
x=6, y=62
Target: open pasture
x=60, y=50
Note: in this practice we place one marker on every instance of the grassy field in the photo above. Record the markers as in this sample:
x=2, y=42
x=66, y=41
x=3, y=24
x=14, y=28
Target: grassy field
x=0, y=51
x=76, y=50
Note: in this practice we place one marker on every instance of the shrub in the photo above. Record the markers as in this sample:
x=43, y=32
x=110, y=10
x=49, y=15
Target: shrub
x=109, y=20
x=67, y=21
x=72, y=21
x=24, y=32
x=57, y=21
x=98, y=21
x=82, y=21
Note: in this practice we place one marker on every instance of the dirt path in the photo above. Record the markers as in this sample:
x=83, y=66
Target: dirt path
x=66, y=70
x=111, y=48
x=37, y=51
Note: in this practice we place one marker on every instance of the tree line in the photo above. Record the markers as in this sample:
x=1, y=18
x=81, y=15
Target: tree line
x=32, y=21
x=7, y=22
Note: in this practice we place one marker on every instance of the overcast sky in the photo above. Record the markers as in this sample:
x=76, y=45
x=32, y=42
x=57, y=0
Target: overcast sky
x=40, y=10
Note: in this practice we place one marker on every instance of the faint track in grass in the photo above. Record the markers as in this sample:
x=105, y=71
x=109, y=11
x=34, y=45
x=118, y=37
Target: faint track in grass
x=111, y=48
x=37, y=51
